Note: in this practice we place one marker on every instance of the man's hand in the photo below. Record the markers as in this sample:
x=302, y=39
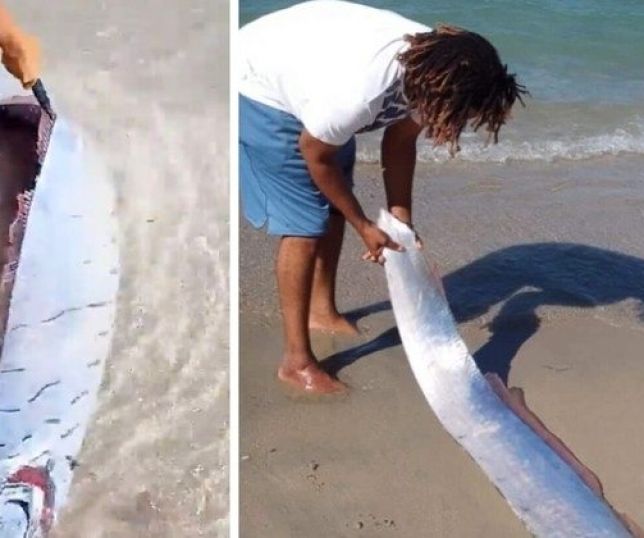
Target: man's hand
x=21, y=57
x=376, y=240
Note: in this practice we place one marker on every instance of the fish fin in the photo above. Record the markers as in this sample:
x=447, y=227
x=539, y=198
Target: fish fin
x=514, y=398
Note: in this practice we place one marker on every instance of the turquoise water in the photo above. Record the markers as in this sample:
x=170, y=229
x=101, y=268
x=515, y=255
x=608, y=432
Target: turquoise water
x=582, y=61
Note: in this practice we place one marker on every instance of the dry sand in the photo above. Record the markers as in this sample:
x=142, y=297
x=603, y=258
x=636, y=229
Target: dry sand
x=147, y=84
x=553, y=257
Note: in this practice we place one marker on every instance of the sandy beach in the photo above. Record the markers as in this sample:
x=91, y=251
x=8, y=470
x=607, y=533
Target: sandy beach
x=543, y=267
x=146, y=83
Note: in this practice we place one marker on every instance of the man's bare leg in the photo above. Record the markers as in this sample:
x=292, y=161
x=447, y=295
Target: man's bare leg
x=324, y=313
x=295, y=265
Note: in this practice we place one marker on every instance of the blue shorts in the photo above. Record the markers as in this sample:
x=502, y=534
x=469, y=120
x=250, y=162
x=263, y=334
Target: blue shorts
x=276, y=187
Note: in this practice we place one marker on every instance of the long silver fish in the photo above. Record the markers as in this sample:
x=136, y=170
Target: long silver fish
x=59, y=284
x=545, y=485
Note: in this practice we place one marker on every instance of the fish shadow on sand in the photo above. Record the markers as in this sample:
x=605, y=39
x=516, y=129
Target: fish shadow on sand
x=520, y=279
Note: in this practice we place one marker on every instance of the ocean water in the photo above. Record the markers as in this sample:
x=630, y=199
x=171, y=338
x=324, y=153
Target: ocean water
x=580, y=60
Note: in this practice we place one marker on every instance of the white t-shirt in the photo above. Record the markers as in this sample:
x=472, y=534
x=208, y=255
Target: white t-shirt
x=332, y=64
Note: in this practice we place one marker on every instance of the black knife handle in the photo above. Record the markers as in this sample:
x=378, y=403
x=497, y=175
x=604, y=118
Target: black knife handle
x=43, y=99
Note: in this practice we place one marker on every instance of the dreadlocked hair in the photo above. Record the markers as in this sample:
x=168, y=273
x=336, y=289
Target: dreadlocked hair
x=452, y=77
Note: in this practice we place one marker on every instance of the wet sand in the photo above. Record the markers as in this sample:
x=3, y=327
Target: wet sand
x=147, y=83
x=544, y=269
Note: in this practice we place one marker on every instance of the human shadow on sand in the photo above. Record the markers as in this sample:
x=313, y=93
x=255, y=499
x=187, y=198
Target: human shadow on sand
x=520, y=279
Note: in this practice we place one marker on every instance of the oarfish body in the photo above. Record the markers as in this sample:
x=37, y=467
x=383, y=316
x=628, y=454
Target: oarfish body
x=60, y=282
x=541, y=486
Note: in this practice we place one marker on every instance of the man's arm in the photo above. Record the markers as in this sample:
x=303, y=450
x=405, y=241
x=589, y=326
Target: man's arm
x=327, y=175
x=398, y=154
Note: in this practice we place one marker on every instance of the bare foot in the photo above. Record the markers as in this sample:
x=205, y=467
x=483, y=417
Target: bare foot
x=334, y=323
x=311, y=379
